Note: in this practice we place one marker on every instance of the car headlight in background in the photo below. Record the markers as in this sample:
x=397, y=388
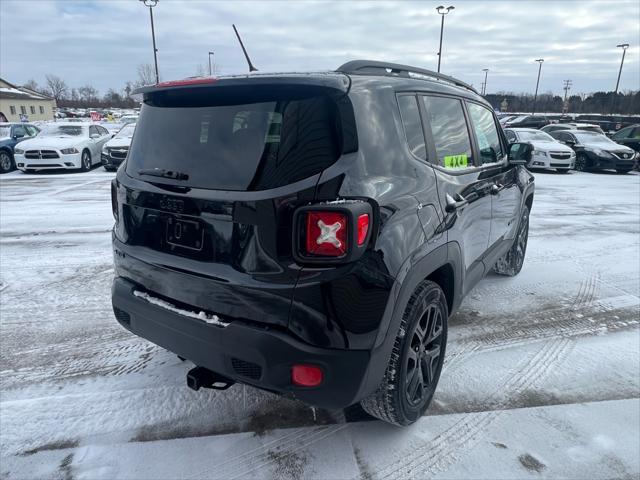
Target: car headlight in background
x=69, y=151
x=18, y=151
x=539, y=152
x=601, y=153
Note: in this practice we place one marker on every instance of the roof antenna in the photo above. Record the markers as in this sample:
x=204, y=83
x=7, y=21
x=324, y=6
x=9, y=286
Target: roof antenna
x=251, y=67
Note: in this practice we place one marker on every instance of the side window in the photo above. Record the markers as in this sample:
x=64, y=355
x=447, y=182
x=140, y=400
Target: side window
x=510, y=135
x=486, y=133
x=32, y=109
x=23, y=109
x=93, y=130
x=31, y=130
x=41, y=109
x=12, y=109
x=636, y=133
x=412, y=125
x=450, y=134
x=624, y=133
x=103, y=131
x=19, y=131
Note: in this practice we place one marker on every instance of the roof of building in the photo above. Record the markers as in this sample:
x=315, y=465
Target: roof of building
x=19, y=93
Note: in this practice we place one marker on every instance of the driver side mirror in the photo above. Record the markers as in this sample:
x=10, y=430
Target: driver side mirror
x=520, y=153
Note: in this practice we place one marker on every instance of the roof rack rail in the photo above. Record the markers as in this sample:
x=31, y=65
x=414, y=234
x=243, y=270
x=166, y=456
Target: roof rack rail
x=373, y=67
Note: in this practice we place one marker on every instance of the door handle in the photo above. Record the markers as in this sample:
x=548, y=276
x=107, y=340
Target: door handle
x=496, y=188
x=455, y=204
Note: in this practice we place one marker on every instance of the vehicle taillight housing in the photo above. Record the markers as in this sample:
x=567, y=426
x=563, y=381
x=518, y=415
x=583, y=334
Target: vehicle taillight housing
x=326, y=234
x=332, y=232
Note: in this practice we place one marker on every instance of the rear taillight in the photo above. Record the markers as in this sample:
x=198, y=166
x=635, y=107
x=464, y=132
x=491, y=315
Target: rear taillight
x=326, y=234
x=114, y=199
x=334, y=232
x=363, y=228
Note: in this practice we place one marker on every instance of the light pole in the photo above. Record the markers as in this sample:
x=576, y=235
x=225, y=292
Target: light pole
x=484, y=85
x=210, y=53
x=535, y=96
x=624, y=47
x=151, y=4
x=442, y=11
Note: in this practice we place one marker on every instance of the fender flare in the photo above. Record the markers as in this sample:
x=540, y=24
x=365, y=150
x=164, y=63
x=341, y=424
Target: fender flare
x=410, y=276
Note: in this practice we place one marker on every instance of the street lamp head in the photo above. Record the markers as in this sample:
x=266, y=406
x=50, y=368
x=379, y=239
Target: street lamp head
x=444, y=10
x=485, y=69
x=150, y=3
x=624, y=46
x=539, y=60
x=210, y=53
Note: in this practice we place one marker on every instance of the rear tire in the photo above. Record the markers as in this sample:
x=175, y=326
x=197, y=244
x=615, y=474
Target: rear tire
x=623, y=171
x=412, y=374
x=6, y=162
x=85, y=161
x=511, y=263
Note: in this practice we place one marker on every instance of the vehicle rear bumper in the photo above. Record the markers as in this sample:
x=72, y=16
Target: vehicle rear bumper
x=257, y=355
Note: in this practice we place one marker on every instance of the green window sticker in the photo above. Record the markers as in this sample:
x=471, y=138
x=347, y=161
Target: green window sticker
x=456, y=161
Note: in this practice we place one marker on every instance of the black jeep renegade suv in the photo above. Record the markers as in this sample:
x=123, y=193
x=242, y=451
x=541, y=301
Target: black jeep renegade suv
x=310, y=234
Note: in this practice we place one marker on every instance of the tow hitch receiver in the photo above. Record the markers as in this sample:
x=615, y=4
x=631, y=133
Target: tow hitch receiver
x=200, y=377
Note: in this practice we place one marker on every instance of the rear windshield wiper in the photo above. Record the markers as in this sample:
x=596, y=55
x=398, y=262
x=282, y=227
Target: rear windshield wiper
x=161, y=172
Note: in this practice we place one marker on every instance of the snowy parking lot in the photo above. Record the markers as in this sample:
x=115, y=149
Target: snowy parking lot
x=541, y=377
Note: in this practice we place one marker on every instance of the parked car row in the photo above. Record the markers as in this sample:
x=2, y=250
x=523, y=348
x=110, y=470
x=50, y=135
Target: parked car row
x=573, y=146
x=72, y=144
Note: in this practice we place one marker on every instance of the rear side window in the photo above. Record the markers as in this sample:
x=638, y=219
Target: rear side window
x=412, y=125
x=449, y=130
x=486, y=133
x=253, y=146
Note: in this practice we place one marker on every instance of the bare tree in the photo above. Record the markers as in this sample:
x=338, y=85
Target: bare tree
x=146, y=74
x=88, y=93
x=31, y=85
x=202, y=70
x=56, y=87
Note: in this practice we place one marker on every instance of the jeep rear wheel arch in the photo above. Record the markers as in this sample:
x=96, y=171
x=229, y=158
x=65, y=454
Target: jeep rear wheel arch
x=447, y=254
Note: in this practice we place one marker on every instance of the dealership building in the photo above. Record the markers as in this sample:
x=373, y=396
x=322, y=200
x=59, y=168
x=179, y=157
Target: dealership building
x=21, y=104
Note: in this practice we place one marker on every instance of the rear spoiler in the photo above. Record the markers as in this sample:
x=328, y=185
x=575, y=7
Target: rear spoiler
x=328, y=80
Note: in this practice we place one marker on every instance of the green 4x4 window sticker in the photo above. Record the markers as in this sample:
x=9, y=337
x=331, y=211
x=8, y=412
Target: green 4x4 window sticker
x=456, y=161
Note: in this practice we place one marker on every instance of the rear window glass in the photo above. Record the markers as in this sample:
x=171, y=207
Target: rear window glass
x=252, y=146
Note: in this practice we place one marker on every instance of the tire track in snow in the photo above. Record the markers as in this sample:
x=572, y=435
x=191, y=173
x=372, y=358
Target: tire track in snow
x=262, y=457
x=445, y=448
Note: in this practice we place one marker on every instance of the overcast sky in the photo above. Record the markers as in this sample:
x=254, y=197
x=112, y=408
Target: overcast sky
x=101, y=42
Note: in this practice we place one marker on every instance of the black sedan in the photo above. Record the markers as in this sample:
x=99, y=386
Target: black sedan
x=595, y=151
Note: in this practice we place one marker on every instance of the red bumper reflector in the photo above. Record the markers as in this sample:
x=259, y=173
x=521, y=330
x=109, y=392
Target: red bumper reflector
x=306, y=375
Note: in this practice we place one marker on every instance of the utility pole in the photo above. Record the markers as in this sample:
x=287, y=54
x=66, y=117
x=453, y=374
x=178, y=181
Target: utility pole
x=566, y=88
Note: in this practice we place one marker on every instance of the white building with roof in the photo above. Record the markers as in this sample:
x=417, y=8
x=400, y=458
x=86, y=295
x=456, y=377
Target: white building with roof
x=20, y=103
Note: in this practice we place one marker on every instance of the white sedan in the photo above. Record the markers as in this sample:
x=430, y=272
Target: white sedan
x=63, y=146
x=547, y=152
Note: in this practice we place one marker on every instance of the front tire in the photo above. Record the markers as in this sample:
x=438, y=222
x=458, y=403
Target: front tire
x=6, y=162
x=85, y=161
x=581, y=163
x=511, y=263
x=411, y=377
